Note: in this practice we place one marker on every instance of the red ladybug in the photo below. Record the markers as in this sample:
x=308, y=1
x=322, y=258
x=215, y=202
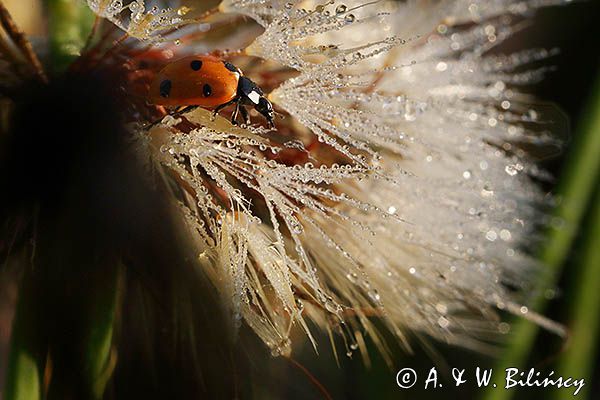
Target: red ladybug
x=208, y=81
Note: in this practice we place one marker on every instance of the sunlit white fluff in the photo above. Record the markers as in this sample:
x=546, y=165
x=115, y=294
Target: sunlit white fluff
x=424, y=221
x=138, y=21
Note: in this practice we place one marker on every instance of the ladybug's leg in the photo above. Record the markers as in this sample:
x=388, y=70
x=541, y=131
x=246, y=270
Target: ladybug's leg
x=173, y=114
x=222, y=106
x=270, y=122
x=183, y=110
x=236, y=112
x=245, y=115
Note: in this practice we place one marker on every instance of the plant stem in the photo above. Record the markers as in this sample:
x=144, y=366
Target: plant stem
x=20, y=39
x=575, y=189
x=578, y=359
x=32, y=338
x=99, y=360
x=27, y=356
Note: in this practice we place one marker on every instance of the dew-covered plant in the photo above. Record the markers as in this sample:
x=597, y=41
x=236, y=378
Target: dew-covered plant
x=397, y=185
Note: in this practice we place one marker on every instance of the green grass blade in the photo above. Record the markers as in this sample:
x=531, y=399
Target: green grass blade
x=27, y=354
x=99, y=360
x=576, y=187
x=579, y=358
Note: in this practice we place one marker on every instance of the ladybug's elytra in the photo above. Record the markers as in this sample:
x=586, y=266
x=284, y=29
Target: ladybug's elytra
x=208, y=81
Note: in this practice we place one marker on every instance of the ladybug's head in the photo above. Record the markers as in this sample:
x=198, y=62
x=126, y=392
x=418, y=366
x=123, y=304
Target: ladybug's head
x=265, y=107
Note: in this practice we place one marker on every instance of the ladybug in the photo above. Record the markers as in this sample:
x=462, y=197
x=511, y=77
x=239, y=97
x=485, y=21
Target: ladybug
x=208, y=81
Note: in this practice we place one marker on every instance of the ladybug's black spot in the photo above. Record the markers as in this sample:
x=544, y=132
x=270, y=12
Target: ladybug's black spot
x=196, y=65
x=230, y=66
x=206, y=90
x=165, y=88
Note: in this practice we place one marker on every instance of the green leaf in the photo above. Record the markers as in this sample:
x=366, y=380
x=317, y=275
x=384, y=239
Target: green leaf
x=578, y=359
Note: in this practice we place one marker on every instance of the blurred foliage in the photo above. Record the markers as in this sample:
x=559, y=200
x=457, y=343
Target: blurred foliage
x=583, y=316
x=69, y=24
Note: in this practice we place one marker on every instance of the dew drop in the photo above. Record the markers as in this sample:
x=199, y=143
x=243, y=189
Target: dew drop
x=374, y=295
x=183, y=10
x=491, y=235
x=441, y=66
x=352, y=277
x=341, y=9
x=524, y=310
x=443, y=322
x=511, y=170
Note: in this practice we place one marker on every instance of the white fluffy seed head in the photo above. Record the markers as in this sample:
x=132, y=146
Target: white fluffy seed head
x=425, y=221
